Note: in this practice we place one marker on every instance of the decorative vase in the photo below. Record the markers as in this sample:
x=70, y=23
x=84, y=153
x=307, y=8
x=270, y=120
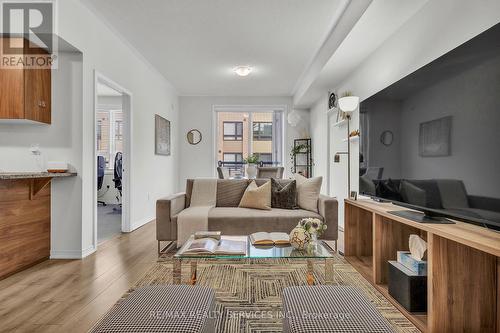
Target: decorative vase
x=314, y=237
x=251, y=171
x=299, y=238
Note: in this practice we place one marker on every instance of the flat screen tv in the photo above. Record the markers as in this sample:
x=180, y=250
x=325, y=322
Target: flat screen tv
x=431, y=141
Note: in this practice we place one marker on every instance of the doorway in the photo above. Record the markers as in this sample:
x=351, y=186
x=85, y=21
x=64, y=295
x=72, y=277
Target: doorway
x=112, y=113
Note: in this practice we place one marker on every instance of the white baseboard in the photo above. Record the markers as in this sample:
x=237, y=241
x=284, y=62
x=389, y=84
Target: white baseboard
x=140, y=223
x=72, y=254
x=88, y=251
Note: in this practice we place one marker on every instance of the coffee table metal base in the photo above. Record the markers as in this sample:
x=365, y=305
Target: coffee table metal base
x=329, y=272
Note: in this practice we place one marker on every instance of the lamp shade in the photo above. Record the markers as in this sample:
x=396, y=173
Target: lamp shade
x=349, y=103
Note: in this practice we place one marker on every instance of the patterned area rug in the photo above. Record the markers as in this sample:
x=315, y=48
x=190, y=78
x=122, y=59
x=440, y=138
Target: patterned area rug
x=249, y=292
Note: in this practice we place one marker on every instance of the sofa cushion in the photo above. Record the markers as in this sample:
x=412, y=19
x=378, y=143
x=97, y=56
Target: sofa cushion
x=308, y=190
x=432, y=195
x=412, y=194
x=230, y=192
x=453, y=194
x=245, y=221
x=258, y=197
x=388, y=189
x=283, y=195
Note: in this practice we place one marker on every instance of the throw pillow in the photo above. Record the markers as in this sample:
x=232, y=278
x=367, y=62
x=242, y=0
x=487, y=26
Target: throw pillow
x=258, y=197
x=308, y=190
x=283, y=195
x=388, y=189
x=412, y=194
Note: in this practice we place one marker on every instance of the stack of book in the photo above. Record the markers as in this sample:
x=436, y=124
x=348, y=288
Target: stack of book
x=418, y=267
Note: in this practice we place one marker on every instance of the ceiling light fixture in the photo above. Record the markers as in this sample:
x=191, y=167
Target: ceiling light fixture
x=242, y=70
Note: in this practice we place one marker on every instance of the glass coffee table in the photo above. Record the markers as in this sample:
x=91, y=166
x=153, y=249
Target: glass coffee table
x=315, y=251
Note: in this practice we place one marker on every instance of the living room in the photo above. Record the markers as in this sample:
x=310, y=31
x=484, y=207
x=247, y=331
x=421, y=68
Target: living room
x=276, y=166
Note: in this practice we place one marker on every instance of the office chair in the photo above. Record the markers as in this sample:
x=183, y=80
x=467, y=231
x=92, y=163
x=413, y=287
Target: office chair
x=117, y=179
x=101, y=166
x=270, y=172
x=223, y=172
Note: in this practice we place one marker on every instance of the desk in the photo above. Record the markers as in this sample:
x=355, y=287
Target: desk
x=463, y=286
x=25, y=219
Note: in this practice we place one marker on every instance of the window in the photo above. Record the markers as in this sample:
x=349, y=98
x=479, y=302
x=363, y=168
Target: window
x=109, y=134
x=262, y=131
x=233, y=131
x=241, y=134
x=99, y=133
x=119, y=130
x=266, y=158
x=233, y=157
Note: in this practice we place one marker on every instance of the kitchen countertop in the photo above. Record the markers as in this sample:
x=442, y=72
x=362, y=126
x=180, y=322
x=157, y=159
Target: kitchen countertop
x=32, y=175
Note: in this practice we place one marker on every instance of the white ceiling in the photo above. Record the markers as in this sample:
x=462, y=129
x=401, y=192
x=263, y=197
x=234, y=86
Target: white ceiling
x=381, y=19
x=196, y=43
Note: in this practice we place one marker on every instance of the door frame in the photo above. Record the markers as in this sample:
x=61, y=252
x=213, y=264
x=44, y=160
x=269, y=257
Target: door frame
x=127, y=152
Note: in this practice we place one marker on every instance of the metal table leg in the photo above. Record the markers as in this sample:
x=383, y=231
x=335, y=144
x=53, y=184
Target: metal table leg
x=329, y=271
x=194, y=265
x=177, y=271
x=310, y=272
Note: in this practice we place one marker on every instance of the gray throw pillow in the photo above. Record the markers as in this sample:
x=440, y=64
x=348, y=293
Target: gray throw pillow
x=283, y=195
x=412, y=194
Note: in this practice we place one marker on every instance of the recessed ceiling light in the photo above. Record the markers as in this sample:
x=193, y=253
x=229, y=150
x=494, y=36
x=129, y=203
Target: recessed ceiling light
x=242, y=70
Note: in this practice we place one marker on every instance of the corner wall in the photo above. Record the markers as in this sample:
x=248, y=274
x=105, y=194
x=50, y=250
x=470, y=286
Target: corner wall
x=436, y=29
x=71, y=137
x=197, y=113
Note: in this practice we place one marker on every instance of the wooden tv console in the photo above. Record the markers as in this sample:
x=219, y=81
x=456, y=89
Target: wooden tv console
x=463, y=286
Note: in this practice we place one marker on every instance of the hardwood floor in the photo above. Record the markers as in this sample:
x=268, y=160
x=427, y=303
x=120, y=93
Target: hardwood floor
x=71, y=295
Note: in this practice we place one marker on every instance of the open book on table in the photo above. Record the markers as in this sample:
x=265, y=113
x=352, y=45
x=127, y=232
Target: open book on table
x=270, y=238
x=213, y=246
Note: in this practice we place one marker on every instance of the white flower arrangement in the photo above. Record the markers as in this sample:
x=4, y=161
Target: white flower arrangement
x=312, y=225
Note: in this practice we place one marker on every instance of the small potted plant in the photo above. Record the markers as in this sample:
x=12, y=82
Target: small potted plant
x=252, y=162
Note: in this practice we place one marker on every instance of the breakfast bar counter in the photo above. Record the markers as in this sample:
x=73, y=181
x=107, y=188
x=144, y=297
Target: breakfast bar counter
x=25, y=210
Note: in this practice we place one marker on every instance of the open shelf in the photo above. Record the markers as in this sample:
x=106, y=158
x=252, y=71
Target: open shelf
x=340, y=123
x=418, y=319
x=352, y=138
x=364, y=266
x=463, y=282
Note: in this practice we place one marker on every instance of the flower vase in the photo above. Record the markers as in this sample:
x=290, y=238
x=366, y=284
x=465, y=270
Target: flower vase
x=314, y=238
x=251, y=171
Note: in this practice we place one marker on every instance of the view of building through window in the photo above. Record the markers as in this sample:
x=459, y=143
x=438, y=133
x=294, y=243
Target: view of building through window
x=242, y=134
x=109, y=135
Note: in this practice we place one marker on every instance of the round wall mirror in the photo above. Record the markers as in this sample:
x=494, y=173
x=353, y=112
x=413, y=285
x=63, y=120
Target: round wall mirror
x=194, y=136
x=387, y=137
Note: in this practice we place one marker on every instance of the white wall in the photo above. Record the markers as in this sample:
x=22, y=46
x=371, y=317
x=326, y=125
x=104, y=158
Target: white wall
x=474, y=136
x=384, y=115
x=151, y=176
x=434, y=30
x=197, y=112
x=60, y=141
x=319, y=136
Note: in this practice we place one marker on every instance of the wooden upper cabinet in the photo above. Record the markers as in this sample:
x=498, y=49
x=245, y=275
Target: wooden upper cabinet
x=25, y=93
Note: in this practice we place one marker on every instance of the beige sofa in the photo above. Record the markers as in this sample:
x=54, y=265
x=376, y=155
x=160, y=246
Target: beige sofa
x=232, y=220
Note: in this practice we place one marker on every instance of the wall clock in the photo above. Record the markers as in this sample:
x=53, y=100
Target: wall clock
x=332, y=100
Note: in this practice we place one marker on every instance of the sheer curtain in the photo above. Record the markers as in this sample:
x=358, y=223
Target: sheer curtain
x=278, y=137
